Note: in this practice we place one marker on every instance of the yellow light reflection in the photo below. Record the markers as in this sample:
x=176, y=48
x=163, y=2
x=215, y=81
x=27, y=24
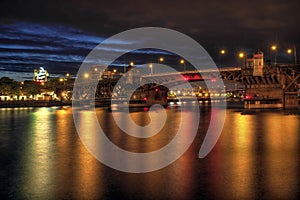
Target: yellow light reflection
x=282, y=147
x=64, y=145
x=88, y=176
x=183, y=174
x=242, y=180
x=235, y=156
x=39, y=152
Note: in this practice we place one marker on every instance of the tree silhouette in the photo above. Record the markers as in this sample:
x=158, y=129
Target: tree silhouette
x=9, y=87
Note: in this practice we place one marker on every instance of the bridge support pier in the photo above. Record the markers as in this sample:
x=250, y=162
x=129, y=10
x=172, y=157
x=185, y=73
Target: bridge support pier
x=263, y=96
x=290, y=100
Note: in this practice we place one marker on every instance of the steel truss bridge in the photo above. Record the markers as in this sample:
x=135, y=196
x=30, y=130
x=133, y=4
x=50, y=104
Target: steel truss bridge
x=281, y=82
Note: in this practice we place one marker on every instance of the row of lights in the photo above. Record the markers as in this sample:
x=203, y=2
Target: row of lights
x=242, y=54
x=182, y=61
x=161, y=59
x=273, y=48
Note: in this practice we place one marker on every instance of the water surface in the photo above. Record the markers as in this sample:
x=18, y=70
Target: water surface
x=256, y=157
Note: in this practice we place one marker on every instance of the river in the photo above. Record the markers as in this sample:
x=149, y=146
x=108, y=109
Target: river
x=256, y=157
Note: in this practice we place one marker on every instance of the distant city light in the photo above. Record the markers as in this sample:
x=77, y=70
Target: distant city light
x=289, y=51
x=222, y=51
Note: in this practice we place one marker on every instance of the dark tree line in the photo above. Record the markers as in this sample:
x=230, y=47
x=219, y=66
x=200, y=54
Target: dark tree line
x=10, y=87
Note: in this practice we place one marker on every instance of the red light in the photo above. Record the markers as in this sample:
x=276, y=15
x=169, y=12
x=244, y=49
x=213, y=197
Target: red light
x=186, y=78
x=257, y=56
x=156, y=89
x=213, y=80
x=248, y=96
x=145, y=98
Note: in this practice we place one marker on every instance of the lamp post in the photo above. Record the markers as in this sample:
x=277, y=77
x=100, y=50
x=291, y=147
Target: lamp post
x=243, y=56
x=222, y=54
x=183, y=63
x=274, y=48
x=86, y=75
x=151, y=68
x=295, y=56
x=290, y=51
x=161, y=59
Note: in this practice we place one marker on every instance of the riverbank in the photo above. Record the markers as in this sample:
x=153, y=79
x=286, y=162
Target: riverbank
x=31, y=103
x=135, y=104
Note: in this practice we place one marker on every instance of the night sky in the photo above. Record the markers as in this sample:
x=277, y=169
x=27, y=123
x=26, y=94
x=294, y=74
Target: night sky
x=58, y=34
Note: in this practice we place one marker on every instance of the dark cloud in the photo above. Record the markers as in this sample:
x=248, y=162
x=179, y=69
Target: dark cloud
x=193, y=17
x=53, y=27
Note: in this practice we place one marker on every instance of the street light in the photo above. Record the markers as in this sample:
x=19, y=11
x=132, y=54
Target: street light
x=131, y=64
x=290, y=51
x=161, y=59
x=222, y=52
x=183, y=63
x=274, y=48
x=151, y=68
x=243, y=57
x=86, y=75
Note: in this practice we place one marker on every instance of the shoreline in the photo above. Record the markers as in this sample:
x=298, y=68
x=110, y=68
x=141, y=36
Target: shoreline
x=32, y=103
x=51, y=103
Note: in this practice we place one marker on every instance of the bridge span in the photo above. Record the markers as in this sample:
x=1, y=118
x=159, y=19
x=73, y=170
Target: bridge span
x=267, y=86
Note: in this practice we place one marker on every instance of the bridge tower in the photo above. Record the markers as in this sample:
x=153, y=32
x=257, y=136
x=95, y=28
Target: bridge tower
x=270, y=86
x=258, y=63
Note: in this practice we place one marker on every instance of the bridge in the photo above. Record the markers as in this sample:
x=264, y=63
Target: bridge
x=267, y=86
x=106, y=87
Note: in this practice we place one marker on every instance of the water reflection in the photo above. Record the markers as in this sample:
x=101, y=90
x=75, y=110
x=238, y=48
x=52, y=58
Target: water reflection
x=243, y=139
x=282, y=149
x=38, y=156
x=42, y=157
